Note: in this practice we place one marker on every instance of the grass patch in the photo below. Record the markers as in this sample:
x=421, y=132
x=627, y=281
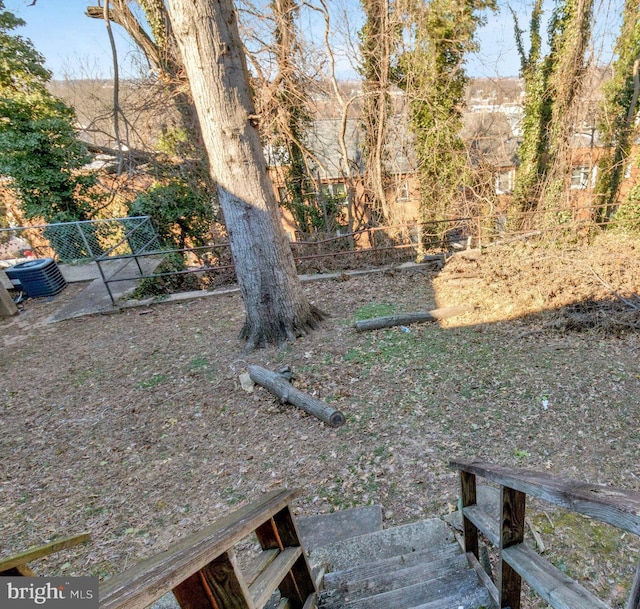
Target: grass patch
x=569, y=536
x=156, y=379
x=198, y=363
x=80, y=377
x=372, y=310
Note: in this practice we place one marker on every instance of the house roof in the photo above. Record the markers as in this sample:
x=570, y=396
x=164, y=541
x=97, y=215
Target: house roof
x=490, y=137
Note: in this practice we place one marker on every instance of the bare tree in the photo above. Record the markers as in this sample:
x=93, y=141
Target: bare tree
x=440, y=34
x=275, y=305
x=379, y=38
x=157, y=42
x=349, y=169
x=117, y=110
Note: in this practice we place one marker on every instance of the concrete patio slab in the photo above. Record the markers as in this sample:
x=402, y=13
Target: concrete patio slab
x=322, y=529
x=95, y=297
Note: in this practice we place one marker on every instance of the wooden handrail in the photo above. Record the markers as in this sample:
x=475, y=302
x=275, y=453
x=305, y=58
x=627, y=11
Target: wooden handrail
x=18, y=562
x=156, y=576
x=618, y=507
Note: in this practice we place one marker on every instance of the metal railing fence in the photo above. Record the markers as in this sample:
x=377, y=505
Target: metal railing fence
x=127, y=249
x=381, y=246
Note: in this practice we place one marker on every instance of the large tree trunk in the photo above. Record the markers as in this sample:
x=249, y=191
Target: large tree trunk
x=275, y=305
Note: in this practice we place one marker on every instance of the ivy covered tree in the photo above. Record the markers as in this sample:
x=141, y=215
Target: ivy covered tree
x=569, y=39
x=552, y=86
x=532, y=152
x=432, y=74
x=619, y=110
x=38, y=145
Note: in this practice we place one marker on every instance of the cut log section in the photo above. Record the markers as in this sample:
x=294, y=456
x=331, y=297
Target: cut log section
x=280, y=387
x=406, y=319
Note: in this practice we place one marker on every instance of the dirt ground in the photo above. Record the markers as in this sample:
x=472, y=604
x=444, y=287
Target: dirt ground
x=134, y=426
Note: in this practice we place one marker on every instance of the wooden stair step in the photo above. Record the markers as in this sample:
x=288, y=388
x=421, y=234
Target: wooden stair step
x=324, y=529
x=339, y=578
x=404, y=539
x=457, y=584
x=478, y=598
x=399, y=578
x=408, y=576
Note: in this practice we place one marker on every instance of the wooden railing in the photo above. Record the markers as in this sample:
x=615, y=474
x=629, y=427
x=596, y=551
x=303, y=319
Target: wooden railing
x=202, y=570
x=517, y=561
x=18, y=564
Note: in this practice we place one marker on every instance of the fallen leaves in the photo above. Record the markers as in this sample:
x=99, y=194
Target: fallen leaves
x=162, y=421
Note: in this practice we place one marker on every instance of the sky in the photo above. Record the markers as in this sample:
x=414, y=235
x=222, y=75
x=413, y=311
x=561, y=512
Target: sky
x=78, y=47
x=74, y=45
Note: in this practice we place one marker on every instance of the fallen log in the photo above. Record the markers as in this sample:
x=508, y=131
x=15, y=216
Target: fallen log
x=280, y=387
x=406, y=319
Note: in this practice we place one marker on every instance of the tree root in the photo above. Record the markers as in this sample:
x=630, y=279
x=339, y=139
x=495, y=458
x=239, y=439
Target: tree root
x=271, y=334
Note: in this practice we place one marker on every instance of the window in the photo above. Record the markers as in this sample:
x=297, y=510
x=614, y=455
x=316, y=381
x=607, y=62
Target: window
x=340, y=191
x=336, y=191
x=403, y=191
x=504, y=182
x=580, y=177
x=276, y=156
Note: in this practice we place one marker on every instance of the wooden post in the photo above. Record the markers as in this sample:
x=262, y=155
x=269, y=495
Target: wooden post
x=280, y=532
x=634, y=597
x=511, y=533
x=374, y=245
x=194, y=592
x=468, y=497
x=7, y=306
x=219, y=585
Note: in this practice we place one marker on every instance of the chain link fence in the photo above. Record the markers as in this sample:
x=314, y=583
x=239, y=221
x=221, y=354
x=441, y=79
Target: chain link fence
x=79, y=242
